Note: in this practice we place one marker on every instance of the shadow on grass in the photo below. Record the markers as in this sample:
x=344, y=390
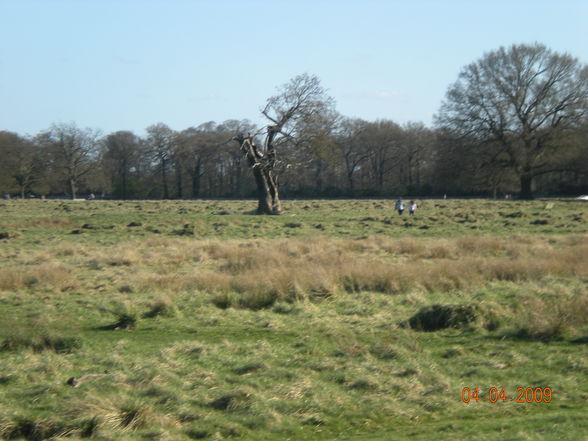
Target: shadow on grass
x=524, y=335
x=580, y=340
x=125, y=321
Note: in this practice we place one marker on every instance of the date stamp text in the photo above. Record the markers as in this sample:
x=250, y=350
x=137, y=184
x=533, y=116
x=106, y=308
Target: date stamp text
x=523, y=395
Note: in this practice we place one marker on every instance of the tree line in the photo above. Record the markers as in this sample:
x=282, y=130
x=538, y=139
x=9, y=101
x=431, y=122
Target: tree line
x=515, y=121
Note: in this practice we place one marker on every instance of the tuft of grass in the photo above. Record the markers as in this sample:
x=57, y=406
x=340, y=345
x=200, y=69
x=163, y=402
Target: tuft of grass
x=126, y=320
x=162, y=307
x=89, y=427
x=32, y=429
x=285, y=308
x=100, y=413
x=45, y=341
x=384, y=351
x=256, y=301
x=134, y=415
x=551, y=318
x=126, y=317
x=233, y=401
x=249, y=299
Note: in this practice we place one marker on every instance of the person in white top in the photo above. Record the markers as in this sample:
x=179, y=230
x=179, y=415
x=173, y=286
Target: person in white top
x=412, y=208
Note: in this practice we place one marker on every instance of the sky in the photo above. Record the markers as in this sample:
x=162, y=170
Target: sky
x=127, y=64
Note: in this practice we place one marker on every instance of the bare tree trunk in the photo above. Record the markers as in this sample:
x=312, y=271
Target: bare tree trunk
x=318, y=178
x=350, y=183
x=179, y=182
x=267, y=190
x=262, y=166
x=124, y=171
x=72, y=188
x=526, y=187
x=409, y=171
x=124, y=185
x=164, y=180
x=196, y=174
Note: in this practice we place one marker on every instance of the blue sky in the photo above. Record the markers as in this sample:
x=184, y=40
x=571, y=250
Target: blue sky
x=124, y=65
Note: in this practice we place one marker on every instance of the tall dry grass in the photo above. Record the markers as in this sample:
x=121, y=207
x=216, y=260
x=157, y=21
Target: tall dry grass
x=263, y=271
x=548, y=318
x=119, y=413
x=50, y=274
x=256, y=273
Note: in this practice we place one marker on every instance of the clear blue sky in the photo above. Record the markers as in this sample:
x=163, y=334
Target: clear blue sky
x=124, y=65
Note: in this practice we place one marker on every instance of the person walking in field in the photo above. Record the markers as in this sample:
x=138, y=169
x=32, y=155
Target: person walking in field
x=412, y=207
x=400, y=206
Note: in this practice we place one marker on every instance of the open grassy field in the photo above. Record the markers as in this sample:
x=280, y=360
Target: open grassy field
x=339, y=320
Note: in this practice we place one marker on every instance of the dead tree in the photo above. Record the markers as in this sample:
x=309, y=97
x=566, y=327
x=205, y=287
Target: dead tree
x=291, y=113
x=263, y=166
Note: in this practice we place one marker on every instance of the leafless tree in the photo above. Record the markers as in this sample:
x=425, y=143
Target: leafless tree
x=520, y=101
x=382, y=140
x=297, y=106
x=122, y=153
x=160, y=143
x=20, y=163
x=231, y=158
x=352, y=151
x=415, y=152
x=73, y=152
x=196, y=145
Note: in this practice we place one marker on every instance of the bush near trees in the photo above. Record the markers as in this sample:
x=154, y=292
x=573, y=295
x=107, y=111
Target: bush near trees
x=515, y=121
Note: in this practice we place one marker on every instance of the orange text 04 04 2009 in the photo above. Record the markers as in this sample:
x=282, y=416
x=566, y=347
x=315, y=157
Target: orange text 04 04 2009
x=522, y=395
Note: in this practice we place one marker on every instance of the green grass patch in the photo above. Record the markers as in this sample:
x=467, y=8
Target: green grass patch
x=271, y=328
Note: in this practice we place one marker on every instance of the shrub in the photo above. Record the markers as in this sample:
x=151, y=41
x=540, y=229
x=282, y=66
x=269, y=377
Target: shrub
x=436, y=317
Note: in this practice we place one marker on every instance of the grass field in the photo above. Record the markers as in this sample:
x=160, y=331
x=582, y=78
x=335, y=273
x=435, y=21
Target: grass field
x=339, y=320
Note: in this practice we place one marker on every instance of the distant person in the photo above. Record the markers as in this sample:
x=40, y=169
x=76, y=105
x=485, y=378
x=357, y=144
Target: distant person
x=91, y=197
x=400, y=206
x=6, y=197
x=412, y=208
